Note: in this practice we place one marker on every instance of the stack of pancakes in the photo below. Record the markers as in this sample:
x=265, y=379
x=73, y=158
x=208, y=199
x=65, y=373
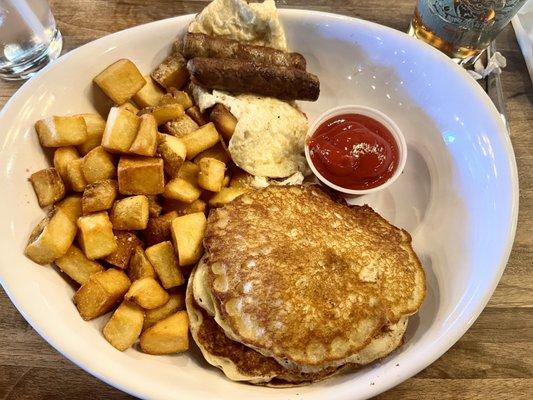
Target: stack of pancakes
x=295, y=284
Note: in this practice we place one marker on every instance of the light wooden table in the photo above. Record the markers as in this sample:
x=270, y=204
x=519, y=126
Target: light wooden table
x=494, y=360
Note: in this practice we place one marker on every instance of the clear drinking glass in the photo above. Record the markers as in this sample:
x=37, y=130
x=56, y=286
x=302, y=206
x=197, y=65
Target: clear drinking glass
x=462, y=29
x=29, y=38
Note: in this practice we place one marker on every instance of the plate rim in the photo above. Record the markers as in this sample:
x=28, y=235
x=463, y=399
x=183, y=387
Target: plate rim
x=382, y=385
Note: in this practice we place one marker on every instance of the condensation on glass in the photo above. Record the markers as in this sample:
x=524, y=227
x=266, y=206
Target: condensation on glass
x=29, y=38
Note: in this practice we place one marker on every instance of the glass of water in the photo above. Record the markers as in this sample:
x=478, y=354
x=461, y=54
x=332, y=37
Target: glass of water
x=29, y=38
x=462, y=29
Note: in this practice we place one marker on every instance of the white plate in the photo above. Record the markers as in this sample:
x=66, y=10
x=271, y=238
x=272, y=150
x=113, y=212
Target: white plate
x=523, y=28
x=458, y=196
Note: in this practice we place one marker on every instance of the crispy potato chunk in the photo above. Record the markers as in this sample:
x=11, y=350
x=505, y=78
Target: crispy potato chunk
x=127, y=242
x=149, y=95
x=62, y=156
x=51, y=238
x=71, y=206
x=75, y=177
x=99, y=196
x=172, y=72
x=226, y=195
x=77, y=266
x=130, y=214
x=164, y=113
x=61, y=131
x=120, y=81
x=154, y=209
x=170, y=335
x=96, y=235
x=189, y=171
x=124, y=326
x=218, y=152
x=129, y=106
x=200, y=140
x=175, y=303
x=180, y=189
x=139, y=266
x=147, y=293
x=145, y=143
x=48, y=186
x=98, y=165
x=211, y=174
x=240, y=178
x=224, y=121
x=173, y=153
x=163, y=258
x=101, y=293
x=226, y=180
x=180, y=126
x=158, y=229
x=182, y=208
x=120, y=130
x=95, y=130
x=187, y=235
x=197, y=116
x=175, y=96
x=141, y=175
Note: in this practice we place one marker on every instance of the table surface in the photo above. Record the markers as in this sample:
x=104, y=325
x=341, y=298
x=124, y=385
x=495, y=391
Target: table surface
x=493, y=360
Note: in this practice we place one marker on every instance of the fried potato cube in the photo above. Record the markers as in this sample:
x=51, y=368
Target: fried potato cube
x=226, y=180
x=154, y=209
x=141, y=175
x=170, y=335
x=48, y=186
x=211, y=174
x=75, y=177
x=62, y=156
x=99, y=196
x=51, y=238
x=127, y=242
x=176, y=302
x=180, y=126
x=224, y=121
x=129, y=106
x=149, y=95
x=96, y=235
x=189, y=171
x=180, y=189
x=172, y=72
x=77, y=266
x=197, y=116
x=240, y=178
x=182, y=208
x=71, y=206
x=61, y=131
x=139, y=266
x=120, y=81
x=158, y=229
x=98, y=165
x=125, y=325
x=175, y=96
x=95, y=130
x=173, y=152
x=120, y=130
x=226, y=195
x=101, y=293
x=145, y=143
x=147, y=293
x=164, y=113
x=187, y=235
x=200, y=140
x=218, y=151
x=163, y=258
x=130, y=214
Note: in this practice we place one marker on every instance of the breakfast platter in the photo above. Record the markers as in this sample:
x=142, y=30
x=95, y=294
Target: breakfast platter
x=254, y=202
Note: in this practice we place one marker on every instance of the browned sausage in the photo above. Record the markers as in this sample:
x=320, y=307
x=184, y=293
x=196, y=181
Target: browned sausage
x=250, y=77
x=200, y=45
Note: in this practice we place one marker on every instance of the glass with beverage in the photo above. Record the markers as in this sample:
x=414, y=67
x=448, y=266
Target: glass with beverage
x=462, y=29
x=29, y=38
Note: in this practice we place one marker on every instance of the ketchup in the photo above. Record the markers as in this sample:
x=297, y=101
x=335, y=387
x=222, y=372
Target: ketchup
x=354, y=151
